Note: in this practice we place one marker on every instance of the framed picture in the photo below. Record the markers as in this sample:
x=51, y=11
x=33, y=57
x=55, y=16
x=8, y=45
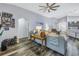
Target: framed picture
x=73, y=26
x=5, y=21
x=8, y=15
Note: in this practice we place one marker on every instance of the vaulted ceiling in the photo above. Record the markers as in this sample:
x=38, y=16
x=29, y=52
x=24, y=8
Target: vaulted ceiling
x=65, y=9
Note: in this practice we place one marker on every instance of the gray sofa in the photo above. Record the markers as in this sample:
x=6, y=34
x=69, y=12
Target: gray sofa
x=57, y=44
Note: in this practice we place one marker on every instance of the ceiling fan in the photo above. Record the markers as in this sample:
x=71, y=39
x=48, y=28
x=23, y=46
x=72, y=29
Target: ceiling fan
x=49, y=7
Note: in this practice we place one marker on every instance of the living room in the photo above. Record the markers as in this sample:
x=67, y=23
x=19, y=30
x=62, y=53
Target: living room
x=40, y=30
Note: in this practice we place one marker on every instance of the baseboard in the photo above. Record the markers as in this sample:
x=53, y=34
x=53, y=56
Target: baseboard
x=23, y=38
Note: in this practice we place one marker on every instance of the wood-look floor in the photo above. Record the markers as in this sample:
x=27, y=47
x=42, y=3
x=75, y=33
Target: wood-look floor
x=28, y=48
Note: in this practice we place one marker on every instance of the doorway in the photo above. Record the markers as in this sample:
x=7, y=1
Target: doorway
x=22, y=28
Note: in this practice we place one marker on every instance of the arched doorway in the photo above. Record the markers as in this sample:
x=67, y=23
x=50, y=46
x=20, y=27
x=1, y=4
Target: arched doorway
x=22, y=28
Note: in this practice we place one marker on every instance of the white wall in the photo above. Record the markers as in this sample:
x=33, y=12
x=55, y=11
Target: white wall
x=51, y=22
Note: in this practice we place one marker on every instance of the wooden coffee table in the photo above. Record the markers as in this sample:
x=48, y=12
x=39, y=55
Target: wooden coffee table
x=35, y=37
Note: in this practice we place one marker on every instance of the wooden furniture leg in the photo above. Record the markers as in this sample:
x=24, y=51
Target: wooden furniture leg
x=45, y=42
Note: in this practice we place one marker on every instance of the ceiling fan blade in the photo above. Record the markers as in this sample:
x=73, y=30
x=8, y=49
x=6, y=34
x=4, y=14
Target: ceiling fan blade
x=53, y=9
x=53, y=4
x=47, y=4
